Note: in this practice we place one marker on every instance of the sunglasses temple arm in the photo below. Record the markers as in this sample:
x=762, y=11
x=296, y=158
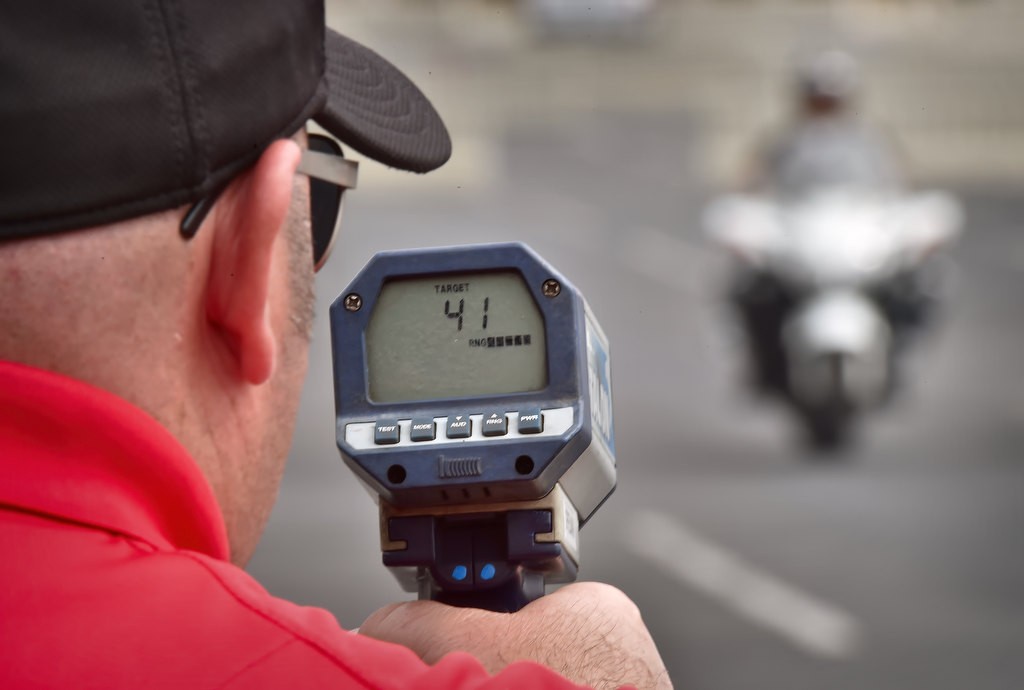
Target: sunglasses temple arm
x=195, y=216
x=327, y=167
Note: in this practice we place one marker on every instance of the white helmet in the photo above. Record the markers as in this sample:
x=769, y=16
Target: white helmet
x=832, y=74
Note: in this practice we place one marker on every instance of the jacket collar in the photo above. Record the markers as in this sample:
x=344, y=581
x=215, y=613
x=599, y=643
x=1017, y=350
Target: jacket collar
x=77, y=453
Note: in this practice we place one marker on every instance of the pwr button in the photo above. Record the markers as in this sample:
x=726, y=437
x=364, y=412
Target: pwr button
x=531, y=421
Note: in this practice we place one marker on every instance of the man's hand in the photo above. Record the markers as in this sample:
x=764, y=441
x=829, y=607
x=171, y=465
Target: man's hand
x=589, y=632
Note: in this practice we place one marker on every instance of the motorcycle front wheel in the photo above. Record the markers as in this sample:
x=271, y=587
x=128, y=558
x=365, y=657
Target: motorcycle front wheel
x=828, y=429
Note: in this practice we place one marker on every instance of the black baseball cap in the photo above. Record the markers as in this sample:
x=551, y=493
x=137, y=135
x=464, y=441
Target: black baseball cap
x=111, y=109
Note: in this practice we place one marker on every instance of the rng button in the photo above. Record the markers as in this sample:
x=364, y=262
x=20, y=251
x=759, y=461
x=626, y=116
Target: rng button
x=494, y=424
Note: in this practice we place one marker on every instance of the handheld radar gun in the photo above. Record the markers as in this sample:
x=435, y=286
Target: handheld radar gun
x=473, y=399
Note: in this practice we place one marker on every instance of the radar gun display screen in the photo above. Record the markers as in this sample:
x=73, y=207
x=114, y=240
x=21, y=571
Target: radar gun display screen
x=473, y=399
x=455, y=336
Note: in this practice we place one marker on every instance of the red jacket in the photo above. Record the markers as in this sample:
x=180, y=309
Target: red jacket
x=114, y=570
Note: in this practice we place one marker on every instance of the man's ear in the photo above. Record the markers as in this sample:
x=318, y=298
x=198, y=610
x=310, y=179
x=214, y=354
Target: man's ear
x=246, y=222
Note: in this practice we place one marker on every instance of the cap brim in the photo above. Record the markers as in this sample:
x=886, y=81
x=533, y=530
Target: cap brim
x=377, y=110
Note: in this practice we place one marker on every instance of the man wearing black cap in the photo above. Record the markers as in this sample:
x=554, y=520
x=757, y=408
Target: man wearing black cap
x=155, y=256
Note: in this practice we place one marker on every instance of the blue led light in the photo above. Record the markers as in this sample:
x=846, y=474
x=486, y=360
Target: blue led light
x=459, y=572
x=487, y=572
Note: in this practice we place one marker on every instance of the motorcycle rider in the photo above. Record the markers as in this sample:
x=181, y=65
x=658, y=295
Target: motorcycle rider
x=828, y=147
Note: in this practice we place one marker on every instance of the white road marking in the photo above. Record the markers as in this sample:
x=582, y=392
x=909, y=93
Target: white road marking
x=808, y=623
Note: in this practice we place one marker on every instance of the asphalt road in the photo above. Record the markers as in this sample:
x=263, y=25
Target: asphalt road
x=898, y=565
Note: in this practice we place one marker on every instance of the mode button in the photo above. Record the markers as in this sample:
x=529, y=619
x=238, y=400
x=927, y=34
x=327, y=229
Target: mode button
x=422, y=429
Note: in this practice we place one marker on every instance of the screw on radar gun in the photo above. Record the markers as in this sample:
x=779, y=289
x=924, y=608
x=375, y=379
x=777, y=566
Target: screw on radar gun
x=473, y=397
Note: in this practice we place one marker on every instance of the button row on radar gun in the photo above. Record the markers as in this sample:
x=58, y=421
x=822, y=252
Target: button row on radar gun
x=389, y=431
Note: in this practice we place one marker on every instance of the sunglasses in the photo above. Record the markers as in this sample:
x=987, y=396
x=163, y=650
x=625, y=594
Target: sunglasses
x=330, y=174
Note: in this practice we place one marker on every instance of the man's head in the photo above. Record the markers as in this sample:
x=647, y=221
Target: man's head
x=120, y=116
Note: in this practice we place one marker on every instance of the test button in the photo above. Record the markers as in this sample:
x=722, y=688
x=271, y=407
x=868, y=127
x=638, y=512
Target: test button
x=386, y=432
x=531, y=421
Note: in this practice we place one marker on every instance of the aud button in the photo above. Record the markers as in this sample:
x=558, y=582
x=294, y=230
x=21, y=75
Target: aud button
x=459, y=426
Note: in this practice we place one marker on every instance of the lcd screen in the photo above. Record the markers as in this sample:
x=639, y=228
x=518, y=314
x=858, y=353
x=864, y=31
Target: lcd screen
x=455, y=336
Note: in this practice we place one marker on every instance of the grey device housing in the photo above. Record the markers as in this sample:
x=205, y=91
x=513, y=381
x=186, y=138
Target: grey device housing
x=576, y=450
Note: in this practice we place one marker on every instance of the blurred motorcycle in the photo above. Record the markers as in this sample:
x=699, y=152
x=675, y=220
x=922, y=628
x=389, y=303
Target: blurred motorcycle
x=830, y=287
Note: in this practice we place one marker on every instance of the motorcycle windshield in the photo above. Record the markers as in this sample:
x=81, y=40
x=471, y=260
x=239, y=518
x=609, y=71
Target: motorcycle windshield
x=839, y=239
